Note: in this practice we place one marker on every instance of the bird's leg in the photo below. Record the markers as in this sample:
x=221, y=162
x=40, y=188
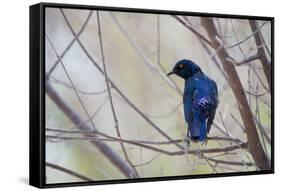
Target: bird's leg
x=205, y=142
x=187, y=139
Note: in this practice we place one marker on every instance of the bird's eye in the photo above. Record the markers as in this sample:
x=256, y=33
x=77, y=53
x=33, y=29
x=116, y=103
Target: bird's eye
x=181, y=66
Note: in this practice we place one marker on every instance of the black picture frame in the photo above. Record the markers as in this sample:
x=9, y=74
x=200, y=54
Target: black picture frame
x=37, y=168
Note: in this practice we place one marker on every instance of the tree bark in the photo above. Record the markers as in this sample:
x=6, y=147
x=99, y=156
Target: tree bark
x=254, y=143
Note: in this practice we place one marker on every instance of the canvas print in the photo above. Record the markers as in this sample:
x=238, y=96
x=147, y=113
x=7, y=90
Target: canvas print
x=132, y=95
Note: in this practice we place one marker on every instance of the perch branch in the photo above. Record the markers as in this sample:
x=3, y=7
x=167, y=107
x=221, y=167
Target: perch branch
x=146, y=146
x=70, y=131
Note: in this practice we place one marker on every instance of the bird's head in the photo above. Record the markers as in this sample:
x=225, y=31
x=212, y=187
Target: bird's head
x=185, y=69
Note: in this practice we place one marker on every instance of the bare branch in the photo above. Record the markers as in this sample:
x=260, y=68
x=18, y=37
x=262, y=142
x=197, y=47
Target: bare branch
x=255, y=146
x=67, y=171
x=69, y=45
x=68, y=131
x=53, y=79
x=196, y=33
x=165, y=115
x=262, y=129
x=258, y=94
x=146, y=146
x=248, y=37
x=231, y=142
x=115, y=87
x=212, y=56
x=145, y=59
x=78, y=121
x=247, y=60
x=110, y=97
x=230, y=162
x=148, y=162
x=259, y=42
x=236, y=120
x=262, y=133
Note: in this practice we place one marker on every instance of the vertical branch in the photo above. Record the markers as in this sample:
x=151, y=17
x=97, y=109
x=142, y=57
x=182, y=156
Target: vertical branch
x=110, y=97
x=259, y=42
x=255, y=146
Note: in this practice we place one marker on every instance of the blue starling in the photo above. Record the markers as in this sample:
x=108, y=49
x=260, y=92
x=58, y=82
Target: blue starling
x=200, y=99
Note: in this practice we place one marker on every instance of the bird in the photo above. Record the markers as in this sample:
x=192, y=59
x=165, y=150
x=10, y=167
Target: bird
x=200, y=100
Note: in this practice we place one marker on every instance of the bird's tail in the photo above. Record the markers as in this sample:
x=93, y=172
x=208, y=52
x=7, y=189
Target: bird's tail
x=197, y=128
x=200, y=113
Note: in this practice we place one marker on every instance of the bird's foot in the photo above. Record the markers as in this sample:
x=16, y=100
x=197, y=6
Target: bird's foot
x=205, y=142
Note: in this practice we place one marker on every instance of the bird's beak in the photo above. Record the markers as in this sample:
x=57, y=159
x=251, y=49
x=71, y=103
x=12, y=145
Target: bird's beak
x=170, y=73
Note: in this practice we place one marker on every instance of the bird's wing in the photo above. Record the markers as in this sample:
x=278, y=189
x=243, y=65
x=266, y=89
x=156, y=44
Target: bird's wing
x=211, y=119
x=187, y=102
x=214, y=96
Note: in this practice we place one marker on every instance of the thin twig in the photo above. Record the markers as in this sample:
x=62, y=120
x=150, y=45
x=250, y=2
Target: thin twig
x=69, y=45
x=70, y=80
x=262, y=128
x=245, y=164
x=51, y=78
x=266, y=64
x=247, y=60
x=236, y=120
x=181, y=152
x=230, y=162
x=69, y=131
x=116, y=160
x=196, y=33
x=110, y=97
x=222, y=121
x=143, y=56
x=67, y=171
x=258, y=94
x=259, y=120
x=255, y=147
x=114, y=86
x=248, y=37
x=211, y=55
x=148, y=162
x=165, y=115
